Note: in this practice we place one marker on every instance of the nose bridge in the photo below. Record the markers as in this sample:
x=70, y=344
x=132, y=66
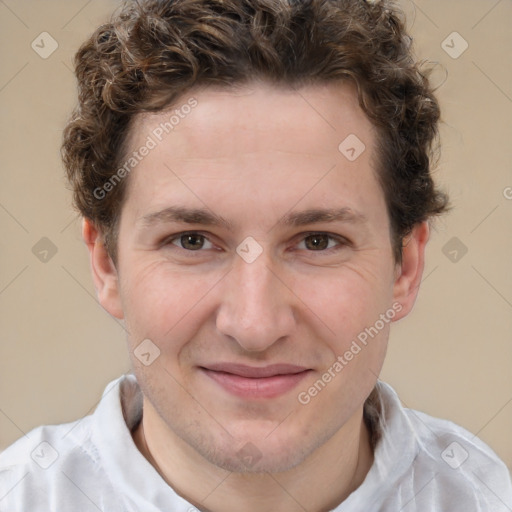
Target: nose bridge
x=256, y=309
x=256, y=288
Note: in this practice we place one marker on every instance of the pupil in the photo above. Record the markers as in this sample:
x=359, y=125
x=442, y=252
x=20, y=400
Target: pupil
x=317, y=242
x=193, y=242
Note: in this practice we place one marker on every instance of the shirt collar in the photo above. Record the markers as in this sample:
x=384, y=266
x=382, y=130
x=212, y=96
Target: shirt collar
x=120, y=410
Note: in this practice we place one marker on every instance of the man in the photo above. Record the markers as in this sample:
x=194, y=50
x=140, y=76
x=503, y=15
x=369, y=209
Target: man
x=254, y=178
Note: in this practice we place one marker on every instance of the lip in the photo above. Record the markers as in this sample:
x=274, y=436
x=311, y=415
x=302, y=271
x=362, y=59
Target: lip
x=256, y=382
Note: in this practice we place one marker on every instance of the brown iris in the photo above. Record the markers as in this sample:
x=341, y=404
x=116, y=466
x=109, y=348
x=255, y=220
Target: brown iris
x=317, y=242
x=192, y=241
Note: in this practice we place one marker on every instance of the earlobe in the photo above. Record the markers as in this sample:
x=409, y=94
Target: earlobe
x=410, y=271
x=104, y=272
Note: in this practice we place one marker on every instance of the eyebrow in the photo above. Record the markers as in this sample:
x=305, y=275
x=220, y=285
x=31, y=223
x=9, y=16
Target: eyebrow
x=318, y=215
x=186, y=215
x=208, y=218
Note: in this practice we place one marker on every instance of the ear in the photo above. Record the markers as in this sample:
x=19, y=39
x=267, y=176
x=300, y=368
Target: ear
x=410, y=271
x=104, y=273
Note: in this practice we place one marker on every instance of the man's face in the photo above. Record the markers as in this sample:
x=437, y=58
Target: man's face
x=250, y=171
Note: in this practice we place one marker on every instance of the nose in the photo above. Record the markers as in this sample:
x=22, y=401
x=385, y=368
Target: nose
x=257, y=307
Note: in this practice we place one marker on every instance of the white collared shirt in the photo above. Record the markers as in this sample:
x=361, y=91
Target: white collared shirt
x=421, y=464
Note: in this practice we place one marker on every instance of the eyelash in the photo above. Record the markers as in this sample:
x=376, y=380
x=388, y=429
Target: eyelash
x=341, y=241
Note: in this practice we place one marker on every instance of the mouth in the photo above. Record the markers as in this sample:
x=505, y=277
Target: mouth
x=255, y=382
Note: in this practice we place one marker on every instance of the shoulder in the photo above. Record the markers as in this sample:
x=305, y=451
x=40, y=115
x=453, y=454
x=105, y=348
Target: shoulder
x=64, y=464
x=451, y=443
x=37, y=465
x=465, y=471
x=423, y=463
x=43, y=445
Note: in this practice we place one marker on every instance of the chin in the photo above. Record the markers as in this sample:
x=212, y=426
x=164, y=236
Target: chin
x=268, y=453
x=250, y=459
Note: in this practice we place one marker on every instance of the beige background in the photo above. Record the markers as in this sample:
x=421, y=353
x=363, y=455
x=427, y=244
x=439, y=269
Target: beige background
x=451, y=357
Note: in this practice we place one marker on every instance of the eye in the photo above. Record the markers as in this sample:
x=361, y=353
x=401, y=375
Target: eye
x=191, y=241
x=320, y=242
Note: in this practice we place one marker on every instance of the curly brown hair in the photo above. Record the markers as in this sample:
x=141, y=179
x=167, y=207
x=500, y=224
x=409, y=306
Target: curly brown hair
x=153, y=51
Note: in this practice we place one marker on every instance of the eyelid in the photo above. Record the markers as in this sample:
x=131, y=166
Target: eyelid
x=176, y=236
x=338, y=238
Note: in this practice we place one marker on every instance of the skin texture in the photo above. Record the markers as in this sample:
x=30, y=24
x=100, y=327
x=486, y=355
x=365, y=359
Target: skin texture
x=252, y=156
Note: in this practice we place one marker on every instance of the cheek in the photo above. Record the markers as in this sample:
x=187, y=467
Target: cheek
x=348, y=299
x=163, y=305
x=359, y=319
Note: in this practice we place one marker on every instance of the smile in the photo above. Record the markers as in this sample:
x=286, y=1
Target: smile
x=253, y=382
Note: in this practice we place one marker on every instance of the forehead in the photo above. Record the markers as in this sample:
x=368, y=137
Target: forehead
x=321, y=111
x=265, y=141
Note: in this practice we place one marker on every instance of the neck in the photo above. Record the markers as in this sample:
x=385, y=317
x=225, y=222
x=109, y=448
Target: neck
x=319, y=483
